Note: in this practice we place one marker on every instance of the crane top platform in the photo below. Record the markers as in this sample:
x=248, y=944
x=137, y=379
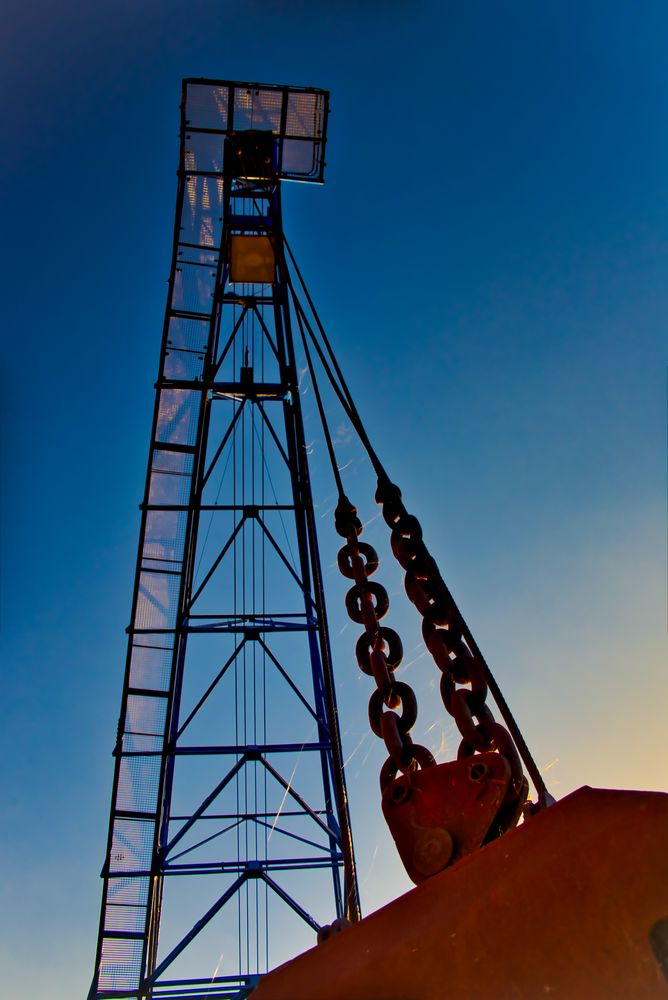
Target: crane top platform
x=296, y=117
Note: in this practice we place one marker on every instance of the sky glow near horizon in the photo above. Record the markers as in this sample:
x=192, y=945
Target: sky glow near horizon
x=489, y=256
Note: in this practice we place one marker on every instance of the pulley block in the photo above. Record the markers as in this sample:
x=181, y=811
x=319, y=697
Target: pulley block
x=438, y=814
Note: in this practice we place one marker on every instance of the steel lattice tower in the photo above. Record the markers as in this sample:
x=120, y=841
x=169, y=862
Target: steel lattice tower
x=229, y=814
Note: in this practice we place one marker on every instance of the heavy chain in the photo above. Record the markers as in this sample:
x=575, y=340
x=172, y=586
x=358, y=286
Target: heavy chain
x=379, y=650
x=463, y=681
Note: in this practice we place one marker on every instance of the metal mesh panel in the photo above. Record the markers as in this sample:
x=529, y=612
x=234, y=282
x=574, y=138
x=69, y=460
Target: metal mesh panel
x=125, y=918
x=207, y=106
x=145, y=714
x=204, y=152
x=183, y=365
x=142, y=743
x=177, y=416
x=158, y=600
x=305, y=114
x=193, y=255
x=257, y=108
x=193, y=288
x=188, y=334
x=200, y=219
x=169, y=487
x=131, y=845
x=120, y=964
x=150, y=667
x=164, y=536
x=138, y=784
x=187, y=338
x=124, y=891
x=301, y=157
x=171, y=477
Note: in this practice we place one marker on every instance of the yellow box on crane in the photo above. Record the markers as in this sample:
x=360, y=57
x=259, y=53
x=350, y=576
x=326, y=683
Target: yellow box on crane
x=252, y=259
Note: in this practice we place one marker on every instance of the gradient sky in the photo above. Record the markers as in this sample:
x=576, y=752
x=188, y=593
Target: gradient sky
x=490, y=257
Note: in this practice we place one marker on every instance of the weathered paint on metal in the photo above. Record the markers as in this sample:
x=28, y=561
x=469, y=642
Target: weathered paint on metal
x=563, y=906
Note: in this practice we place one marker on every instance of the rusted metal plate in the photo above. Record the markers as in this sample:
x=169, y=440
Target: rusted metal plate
x=439, y=814
x=569, y=905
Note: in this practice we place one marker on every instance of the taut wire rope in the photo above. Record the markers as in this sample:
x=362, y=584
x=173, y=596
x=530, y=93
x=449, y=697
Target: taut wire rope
x=342, y=392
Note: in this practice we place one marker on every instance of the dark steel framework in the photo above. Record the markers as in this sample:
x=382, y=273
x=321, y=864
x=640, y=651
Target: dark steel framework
x=229, y=814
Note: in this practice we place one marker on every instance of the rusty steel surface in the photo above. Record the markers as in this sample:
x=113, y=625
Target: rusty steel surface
x=573, y=904
x=439, y=814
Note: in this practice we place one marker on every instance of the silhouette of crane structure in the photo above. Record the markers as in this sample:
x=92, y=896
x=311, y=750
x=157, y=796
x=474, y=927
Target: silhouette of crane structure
x=229, y=836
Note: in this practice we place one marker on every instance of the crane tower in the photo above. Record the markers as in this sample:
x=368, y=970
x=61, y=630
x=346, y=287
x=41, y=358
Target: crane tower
x=229, y=839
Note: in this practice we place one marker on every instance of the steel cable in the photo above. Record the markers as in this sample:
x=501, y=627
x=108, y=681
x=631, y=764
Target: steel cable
x=344, y=396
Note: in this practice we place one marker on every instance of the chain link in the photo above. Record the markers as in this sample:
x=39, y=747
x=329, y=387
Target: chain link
x=379, y=651
x=444, y=637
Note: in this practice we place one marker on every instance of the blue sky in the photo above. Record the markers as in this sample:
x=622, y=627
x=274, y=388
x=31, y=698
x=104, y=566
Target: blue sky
x=489, y=254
